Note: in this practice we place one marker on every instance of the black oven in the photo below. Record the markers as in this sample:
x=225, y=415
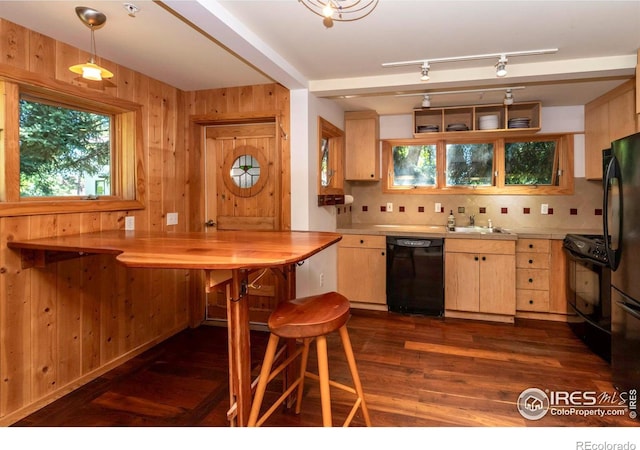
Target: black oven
x=589, y=292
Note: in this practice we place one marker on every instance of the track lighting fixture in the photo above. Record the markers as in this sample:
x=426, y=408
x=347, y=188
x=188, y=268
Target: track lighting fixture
x=501, y=66
x=508, y=97
x=426, y=101
x=425, y=72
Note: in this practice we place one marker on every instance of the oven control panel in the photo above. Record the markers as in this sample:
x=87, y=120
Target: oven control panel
x=587, y=246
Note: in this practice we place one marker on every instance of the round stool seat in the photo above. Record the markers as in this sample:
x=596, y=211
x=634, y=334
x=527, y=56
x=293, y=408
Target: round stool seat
x=311, y=316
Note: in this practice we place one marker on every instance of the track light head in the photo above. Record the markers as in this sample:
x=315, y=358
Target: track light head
x=501, y=66
x=426, y=101
x=424, y=72
x=508, y=97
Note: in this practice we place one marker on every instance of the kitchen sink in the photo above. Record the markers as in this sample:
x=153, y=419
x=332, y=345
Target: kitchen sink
x=480, y=230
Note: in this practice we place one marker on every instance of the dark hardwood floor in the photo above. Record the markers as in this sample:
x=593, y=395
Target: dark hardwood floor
x=416, y=372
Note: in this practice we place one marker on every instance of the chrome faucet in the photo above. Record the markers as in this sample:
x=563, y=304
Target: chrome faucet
x=472, y=220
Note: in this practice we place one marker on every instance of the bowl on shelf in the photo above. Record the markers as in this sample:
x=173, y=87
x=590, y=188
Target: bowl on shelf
x=428, y=128
x=457, y=127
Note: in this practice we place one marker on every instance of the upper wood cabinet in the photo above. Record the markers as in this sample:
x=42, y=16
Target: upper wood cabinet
x=362, y=148
x=607, y=118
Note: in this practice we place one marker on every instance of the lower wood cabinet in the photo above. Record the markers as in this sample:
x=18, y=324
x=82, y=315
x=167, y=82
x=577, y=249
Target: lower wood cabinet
x=480, y=279
x=541, y=279
x=362, y=270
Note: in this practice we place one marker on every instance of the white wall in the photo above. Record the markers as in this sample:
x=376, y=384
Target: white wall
x=305, y=214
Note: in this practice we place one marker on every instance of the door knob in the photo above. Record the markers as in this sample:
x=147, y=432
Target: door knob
x=209, y=223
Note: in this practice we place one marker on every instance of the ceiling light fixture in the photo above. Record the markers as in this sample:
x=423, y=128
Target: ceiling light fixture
x=426, y=101
x=340, y=10
x=501, y=66
x=90, y=70
x=501, y=62
x=508, y=98
x=425, y=72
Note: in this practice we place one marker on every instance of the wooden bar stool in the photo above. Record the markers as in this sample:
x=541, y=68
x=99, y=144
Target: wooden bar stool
x=308, y=318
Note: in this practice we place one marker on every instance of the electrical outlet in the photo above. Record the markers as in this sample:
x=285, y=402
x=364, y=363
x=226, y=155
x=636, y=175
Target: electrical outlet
x=544, y=209
x=389, y=207
x=438, y=207
x=172, y=218
x=129, y=223
x=321, y=279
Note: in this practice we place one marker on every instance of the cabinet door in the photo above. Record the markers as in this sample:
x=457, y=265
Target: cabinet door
x=362, y=274
x=461, y=283
x=497, y=294
x=362, y=148
x=596, y=126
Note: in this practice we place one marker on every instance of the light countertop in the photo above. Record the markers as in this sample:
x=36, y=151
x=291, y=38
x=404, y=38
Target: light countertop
x=434, y=231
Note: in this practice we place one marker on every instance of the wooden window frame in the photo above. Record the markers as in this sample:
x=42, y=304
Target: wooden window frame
x=564, y=169
x=127, y=177
x=335, y=137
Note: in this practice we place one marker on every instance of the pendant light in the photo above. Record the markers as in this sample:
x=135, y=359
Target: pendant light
x=90, y=70
x=340, y=10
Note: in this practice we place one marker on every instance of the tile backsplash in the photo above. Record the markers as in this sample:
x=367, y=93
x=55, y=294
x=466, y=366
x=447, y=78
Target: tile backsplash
x=583, y=210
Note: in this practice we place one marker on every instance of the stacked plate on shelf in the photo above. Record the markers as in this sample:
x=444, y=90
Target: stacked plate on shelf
x=519, y=122
x=428, y=128
x=457, y=127
x=488, y=122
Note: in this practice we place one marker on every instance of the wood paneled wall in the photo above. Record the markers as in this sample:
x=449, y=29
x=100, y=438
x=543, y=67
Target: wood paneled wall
x=63, y=325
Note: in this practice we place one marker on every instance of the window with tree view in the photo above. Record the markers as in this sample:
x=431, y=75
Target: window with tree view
x=414, y=165
x=63, y=151
x=531, y=163
x=469, y=164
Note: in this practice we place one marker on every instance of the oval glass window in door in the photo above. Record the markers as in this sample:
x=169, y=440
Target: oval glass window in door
x=245, y=171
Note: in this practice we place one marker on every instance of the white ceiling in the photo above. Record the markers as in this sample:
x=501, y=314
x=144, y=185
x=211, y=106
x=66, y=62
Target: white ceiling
x=203, y=44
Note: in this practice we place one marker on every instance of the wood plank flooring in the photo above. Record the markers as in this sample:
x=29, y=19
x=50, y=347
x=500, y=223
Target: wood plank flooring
x=416, y=372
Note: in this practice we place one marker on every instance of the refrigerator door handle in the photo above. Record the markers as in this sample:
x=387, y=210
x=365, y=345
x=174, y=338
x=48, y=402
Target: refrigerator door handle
x=629, y=309
x=613, y=254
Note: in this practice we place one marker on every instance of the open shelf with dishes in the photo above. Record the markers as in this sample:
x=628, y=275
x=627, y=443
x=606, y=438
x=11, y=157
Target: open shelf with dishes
x=518, y=117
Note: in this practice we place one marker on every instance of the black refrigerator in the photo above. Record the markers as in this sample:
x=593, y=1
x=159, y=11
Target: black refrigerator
x=622, y=224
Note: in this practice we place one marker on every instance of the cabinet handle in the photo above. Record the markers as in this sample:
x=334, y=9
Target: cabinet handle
x=531, y=261
x=530, y=280
x=372, y=175
x=382, y=253
x=484, y=258
x=530, y=245
x=531, y=302
x=362, y=241
x=475, y=258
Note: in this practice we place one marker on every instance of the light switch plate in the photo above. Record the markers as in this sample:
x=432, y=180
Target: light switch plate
x=544, y=209
x=129, y=223
x=438, y=207
x=172, y=218
x=389, y=207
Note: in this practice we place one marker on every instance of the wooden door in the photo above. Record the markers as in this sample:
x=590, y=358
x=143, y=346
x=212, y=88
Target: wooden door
x=243, y=192
x=242, y=177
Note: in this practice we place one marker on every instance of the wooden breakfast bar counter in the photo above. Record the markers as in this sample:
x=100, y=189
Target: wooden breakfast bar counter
x=220, y=254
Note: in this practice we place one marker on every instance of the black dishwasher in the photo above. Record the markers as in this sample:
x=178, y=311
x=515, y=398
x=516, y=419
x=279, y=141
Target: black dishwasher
x=415, y=275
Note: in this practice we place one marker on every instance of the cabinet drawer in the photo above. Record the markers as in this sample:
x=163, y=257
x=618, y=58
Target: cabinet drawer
x=487, y=246
x=532, y=260
x=537, y=279
x=363, y=240
x=530, y=300
x=533, y=245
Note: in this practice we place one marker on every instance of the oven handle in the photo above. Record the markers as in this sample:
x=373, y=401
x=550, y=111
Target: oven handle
x=629, y=309
x=578, y=257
